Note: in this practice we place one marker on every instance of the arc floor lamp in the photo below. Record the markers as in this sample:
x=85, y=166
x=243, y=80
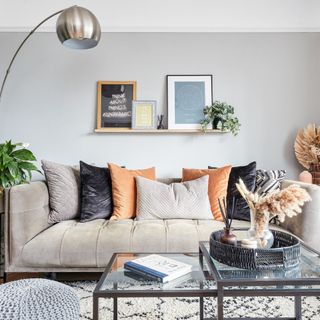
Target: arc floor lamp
x=76, y=27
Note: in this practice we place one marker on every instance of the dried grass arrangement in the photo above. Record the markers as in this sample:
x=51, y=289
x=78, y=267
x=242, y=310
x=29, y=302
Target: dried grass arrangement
x=283, y=203
x=307, y=146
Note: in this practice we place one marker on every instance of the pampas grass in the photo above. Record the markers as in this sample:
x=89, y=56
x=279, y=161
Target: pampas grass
x=283, y=203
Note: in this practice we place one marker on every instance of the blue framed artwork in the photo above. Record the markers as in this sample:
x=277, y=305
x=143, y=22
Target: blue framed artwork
x=187, y=96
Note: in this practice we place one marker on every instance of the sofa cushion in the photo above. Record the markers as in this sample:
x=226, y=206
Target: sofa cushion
x=269, y=180
x=218, y=184
x=96, y=193
x=91, y=244
x=185, y=200
x=248, y=175
x=124, y=189
x=64, y=190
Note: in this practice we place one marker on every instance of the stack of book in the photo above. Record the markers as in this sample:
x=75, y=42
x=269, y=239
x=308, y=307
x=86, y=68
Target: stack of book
x=158, y=268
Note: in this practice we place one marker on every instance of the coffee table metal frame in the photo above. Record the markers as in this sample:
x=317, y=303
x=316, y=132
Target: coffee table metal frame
x=299, y=289
x=115, y=294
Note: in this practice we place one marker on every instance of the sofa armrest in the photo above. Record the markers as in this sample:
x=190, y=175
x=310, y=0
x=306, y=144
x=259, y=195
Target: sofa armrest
x=26, y=215
x=306, y=225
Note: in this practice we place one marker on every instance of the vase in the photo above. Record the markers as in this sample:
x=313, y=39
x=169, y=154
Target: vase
x=228, y=237
x=305, y=176
x=259, y=229
x=315, y=172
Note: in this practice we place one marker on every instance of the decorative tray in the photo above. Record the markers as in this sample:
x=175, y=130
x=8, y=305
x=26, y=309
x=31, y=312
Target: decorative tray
x=285, y=253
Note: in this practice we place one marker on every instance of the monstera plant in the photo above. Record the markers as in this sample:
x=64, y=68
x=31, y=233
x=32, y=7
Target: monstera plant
x=16, y=164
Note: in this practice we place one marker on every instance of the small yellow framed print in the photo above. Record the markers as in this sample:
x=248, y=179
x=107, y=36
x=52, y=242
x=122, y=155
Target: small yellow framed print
x=144, y=114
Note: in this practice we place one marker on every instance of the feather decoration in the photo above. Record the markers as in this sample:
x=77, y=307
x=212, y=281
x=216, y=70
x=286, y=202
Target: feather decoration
x=307, y=146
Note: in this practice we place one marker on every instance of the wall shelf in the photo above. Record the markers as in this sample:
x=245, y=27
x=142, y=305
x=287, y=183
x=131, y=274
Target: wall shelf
x=155, y=131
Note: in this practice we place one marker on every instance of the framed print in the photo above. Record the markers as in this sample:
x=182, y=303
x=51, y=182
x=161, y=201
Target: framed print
x=187, y=96
x=115, y=103
x=144, y=114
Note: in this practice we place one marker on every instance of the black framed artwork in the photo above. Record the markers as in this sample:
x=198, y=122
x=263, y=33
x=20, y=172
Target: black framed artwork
x=115, y=103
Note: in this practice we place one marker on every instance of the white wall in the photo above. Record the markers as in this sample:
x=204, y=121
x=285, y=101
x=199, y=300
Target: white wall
x=272, y=80
x=172, y=15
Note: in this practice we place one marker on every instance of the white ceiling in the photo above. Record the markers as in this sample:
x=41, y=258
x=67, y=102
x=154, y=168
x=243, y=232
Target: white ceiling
x=172, y=15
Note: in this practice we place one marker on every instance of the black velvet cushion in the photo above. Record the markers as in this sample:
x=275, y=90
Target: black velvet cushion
x=96, y=193
x=248, y=175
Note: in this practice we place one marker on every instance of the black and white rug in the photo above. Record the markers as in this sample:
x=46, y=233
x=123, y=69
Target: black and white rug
x=188, y=308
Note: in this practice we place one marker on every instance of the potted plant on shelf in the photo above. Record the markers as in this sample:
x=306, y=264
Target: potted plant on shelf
x=16, y=166
x=283, y=203
x=221, y=116
x=307, y=150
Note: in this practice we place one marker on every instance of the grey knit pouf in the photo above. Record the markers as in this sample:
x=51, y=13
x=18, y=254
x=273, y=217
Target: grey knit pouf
x=38, y=299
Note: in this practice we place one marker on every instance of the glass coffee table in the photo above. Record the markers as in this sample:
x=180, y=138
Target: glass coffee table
x=298, y=282
x=209, y=278
x=118, y=283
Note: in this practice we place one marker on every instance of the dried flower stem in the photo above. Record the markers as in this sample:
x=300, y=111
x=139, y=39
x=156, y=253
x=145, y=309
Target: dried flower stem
x=283, y=203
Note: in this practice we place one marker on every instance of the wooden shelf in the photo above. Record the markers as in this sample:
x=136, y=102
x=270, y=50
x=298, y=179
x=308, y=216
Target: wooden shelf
x=155, y=131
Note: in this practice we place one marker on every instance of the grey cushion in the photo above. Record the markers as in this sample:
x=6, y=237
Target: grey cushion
x=185, y=200
x=38, y=299
x=64, y=190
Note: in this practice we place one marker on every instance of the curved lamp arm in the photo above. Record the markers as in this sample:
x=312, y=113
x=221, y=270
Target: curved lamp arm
x=21, y=45
x=77, y=28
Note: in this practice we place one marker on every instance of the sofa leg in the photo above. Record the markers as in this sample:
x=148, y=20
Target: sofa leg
x=51, y=275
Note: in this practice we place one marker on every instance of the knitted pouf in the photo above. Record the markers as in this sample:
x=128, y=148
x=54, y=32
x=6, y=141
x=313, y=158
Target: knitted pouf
x=38, y=299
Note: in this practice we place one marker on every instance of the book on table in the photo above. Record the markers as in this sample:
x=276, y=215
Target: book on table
x=158, y=267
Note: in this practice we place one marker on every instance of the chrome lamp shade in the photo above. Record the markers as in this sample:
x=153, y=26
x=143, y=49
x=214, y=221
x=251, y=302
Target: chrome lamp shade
x=78, y=28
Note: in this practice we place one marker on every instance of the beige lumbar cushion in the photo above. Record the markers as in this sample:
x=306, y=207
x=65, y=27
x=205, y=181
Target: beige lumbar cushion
x=186, y=200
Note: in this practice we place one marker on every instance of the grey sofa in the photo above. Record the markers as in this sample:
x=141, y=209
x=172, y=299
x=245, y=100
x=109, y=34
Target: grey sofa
x=33, y=245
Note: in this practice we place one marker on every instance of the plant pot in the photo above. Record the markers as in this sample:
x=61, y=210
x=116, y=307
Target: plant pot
x=215, y=123
x=259, y=229
x=227, y=237
x=315, y=172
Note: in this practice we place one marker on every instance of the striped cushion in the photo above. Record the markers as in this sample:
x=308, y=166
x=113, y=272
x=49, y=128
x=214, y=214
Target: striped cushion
x=269, y=180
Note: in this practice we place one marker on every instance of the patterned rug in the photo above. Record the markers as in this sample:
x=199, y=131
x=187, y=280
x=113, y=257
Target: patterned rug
x=188, y=308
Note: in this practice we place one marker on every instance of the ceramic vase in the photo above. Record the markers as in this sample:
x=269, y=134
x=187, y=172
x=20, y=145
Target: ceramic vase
x=228, y=237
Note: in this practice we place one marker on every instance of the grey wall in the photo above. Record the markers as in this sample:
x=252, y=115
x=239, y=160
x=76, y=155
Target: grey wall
x=272, y=79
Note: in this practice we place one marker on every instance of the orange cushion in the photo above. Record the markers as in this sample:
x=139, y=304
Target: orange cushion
x=218, y=185
x=124, y=189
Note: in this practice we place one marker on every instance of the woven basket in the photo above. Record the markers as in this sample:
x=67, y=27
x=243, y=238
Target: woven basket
x=285, y=253
x=315, y=172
